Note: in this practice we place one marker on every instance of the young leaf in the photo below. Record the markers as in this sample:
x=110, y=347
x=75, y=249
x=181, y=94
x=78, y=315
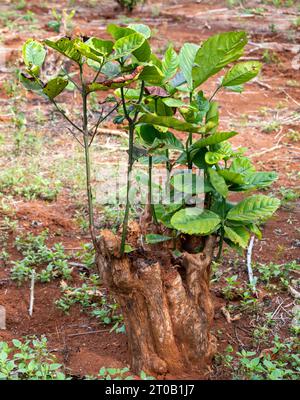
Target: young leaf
x=54, y=87
x=213, y=157
x=153, y=238
x=254, y=208
x=170, y=63
x=215, y=53
x=238, y=235
x=218, y=182
x=241, y=73
x=195, y=221
x=126, y=45
x=186, y=61
x=34, y=53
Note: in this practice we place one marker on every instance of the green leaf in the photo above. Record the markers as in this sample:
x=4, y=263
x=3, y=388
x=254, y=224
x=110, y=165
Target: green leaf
x=218, y=182
x=30, y=83
x=254, y=229
x=88, y=51
x=230, y=176
x=54, y=87
x=170, y=102
x=194, y=221
x=213, y=157
x=101, y=47
x=170, y=63
x=151, y=74
x=215, y=53
x=241, y=165
x=212, y=116
x=143, y=53
x=241, y=73
x=34, y=53
x=118, y=32
x=169, y=122
x=215, y=138
x=238, y=235
x=254, y=208
x=185, y=182
x=167, y=140
x=186, y=61
x=126, y=45
x=153, y=238
x=66, y=47
x=256, y=180
x=142, y=29
x=128, y=248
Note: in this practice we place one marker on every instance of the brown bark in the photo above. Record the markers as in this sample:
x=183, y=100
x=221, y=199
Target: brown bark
x=167, y=308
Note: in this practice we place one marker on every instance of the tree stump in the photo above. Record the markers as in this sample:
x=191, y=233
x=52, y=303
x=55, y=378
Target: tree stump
x=167, y=308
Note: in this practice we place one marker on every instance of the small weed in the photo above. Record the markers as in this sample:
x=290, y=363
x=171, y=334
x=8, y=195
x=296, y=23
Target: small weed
x=29, y=359
x=36, y=254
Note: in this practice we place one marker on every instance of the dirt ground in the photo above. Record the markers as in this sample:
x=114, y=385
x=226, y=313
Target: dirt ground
x=267, y=115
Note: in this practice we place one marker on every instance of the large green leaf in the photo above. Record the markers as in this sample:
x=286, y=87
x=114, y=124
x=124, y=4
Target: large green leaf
x=212, y=116
x=186, y=61
x=215, y=53
x=118, y=32
x=241, y=165
x=66, y=47
x=167, y=141
x=215, y=138
x=169, y=122
x=254, y=208
x=186, y=182
x=218, y=182
x=230, y=176
x=88, y=51
x=170, y=63
x=256, y=180
x=238, y=235
x=126, y=45
x=241, y=73
x=54, y=87
x=101, y=47
x=142, y=29
x=34, y=53
x=194, y=221
x=151, y=74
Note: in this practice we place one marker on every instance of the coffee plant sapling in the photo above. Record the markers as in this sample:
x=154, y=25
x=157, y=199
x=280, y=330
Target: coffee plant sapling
x=163, y=285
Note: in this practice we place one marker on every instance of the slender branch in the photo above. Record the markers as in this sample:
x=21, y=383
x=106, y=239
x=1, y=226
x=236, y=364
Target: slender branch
x=215, y=92
x=65, y=116
x=87, y=159
x=101, y=119
x=71, y=79
x=75, y=137
x=131, y=123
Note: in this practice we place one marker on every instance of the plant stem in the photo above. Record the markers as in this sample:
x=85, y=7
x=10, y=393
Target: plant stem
x=131, y=123
x=150, y=190
x=129, y=169
x=87, y=160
